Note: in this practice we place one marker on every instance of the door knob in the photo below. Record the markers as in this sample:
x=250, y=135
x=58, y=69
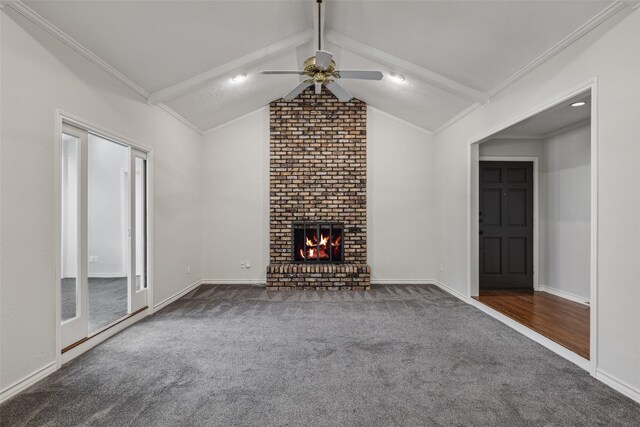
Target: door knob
x=481, y=232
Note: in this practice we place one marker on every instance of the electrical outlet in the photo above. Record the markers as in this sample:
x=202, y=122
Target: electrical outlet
x=247, y=263
x=441, y=267
x=243, y=265
x=188, y=269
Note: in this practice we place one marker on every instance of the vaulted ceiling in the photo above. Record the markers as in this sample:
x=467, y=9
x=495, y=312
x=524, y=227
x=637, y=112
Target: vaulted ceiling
x=181, y=55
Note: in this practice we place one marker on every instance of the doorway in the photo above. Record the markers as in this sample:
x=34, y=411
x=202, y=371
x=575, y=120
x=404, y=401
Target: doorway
x=545, y=279
x=103, y=234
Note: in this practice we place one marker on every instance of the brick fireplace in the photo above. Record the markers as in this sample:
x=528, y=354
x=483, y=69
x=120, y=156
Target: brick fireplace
x=318, y=194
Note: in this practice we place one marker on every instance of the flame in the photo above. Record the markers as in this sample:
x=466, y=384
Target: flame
x=315, y=249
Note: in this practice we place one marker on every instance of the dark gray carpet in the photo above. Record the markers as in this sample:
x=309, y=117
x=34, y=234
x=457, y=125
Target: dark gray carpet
x=396, y=355
x=108, y=300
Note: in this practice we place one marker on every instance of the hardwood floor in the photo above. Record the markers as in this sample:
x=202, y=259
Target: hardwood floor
x=563, y=321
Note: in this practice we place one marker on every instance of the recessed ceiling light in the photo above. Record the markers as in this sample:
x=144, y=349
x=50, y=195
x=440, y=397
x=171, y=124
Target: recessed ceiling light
x=578, y=104
x=239, y=77
x=398, y=78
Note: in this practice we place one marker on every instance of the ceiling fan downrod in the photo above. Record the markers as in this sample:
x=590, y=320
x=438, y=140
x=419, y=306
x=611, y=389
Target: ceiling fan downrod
x=319, y=24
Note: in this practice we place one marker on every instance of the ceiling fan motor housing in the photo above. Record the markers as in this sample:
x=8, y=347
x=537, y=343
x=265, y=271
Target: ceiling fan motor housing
x=317, y=73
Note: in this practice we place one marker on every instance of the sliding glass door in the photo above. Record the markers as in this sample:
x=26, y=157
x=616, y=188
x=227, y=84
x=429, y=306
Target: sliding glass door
x=103, y=233
x=73, y=297
x=138, y=221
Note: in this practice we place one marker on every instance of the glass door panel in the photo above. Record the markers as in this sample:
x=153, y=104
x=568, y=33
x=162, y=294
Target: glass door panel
x=141, y=223
x=138, y=287
x=73, y=307
x=69, y=281
x=108, y=231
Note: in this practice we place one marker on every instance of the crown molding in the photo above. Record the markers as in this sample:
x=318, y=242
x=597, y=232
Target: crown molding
x=424, y=74
x=180, y=118
x=576, y=35
x=582, y=31
x=202, y=79
x=41, y=22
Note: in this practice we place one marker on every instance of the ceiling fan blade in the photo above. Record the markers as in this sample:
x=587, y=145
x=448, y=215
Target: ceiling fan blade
x=282, y=72
x=339, y=91
x=323, y=58
x=358, y=74
x=297, y=91
x=318, y=88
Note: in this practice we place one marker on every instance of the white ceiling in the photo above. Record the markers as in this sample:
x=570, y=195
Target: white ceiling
x=559, y=117
x=452, y=53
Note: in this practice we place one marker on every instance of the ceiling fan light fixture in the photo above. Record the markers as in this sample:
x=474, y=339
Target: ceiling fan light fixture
x=396, y=77
x=239, y=77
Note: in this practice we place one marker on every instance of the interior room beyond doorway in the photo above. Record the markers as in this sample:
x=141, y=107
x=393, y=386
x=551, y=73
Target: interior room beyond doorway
x=534, y=223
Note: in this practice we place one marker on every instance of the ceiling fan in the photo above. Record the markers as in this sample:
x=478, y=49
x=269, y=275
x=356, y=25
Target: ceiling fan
x=321, y=70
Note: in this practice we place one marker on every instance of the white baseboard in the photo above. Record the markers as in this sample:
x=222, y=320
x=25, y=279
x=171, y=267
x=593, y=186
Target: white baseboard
x=441, y=285
x=449, y=290
x=234, y=282
x=618, y=385
x=401, y=281
x=563, y=294
x=162, y=304
x=27, y=381
x=533, y=335
x=102, y=336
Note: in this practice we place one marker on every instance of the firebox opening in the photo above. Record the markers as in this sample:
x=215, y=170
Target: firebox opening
x=317, y=242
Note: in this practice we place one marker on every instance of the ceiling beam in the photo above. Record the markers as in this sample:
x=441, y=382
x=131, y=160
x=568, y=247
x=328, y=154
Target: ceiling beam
x=203, y=79
x=424, y=74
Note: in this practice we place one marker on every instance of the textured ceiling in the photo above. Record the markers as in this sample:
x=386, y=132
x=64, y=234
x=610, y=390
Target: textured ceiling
x=475, y=45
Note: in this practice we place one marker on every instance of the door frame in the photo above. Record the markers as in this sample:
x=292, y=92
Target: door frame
x=67, y=118
x=473, y=156
x=536, y=217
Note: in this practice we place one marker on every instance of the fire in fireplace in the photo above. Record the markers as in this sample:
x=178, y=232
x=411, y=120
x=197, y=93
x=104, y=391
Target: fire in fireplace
x=317, y=242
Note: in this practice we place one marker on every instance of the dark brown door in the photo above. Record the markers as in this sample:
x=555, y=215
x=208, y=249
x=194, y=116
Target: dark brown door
x=506, y=225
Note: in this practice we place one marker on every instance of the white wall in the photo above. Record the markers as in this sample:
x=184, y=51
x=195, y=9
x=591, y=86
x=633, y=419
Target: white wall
x=235, y=205
x=399, y=189
x=565, y=181
x=564, y=185
x=38, y=76
x=401, y=214
x=512, y=148
x=611, y=55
